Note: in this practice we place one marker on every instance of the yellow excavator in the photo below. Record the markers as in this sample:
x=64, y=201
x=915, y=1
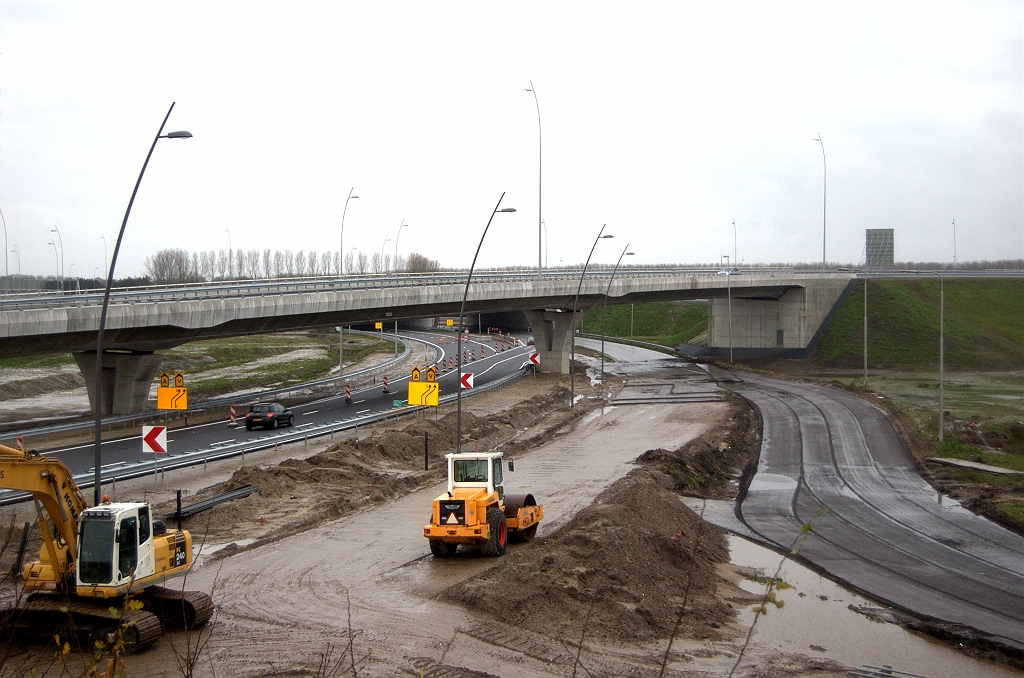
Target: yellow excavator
x=95, y=559
x=475, y=510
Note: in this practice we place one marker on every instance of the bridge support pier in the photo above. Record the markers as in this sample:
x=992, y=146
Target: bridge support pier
x=127, y=377
x=552, y=334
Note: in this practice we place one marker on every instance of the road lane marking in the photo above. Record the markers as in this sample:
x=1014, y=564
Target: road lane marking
x=306, y=414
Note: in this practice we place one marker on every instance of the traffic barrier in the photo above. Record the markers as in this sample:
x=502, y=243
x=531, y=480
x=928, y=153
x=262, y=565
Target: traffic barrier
x=386, y=384
x=231, y=411
x=348, y=393
x=473, y=355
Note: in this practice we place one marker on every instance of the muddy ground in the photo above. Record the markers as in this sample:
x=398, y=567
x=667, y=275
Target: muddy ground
x=618, y=573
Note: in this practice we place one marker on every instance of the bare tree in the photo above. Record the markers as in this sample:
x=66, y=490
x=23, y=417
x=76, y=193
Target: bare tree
x=386, y=264
x=325, y=263
x=239, y=264
x=362, y=263
x=222, y=264
x=252, y=264
x=289, y=263
x=300, y=263
x=376, y=263
x=278, y=264
x=266, y=263
x=417, y=263
x=170, y=266
x=350, y=261
x=312, y=263
x=336, y=262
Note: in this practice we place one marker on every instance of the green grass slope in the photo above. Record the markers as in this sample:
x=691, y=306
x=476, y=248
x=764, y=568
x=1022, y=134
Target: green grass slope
x=984, y=326
x=665, y=323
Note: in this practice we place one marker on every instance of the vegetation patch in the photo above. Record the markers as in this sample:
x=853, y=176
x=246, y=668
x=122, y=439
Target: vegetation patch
x=665, y=323
x=982, y=326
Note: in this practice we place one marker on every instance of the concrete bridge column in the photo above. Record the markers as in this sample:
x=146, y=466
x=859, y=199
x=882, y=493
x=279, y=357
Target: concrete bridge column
x=552, y=334
x=127, y=377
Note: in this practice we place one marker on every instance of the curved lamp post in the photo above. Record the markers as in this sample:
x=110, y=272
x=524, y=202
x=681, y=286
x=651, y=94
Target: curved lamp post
x=61, y=241
x=609, y=289
x=104, y=239
x=397, y=236
x=572, y=321
x=386, y=241
x=98, y=409
x=540, y=174
x=17, y=253
x=341, y=239
x=824, y=194
x=462, y=311
x=56, y=259
x=7, y=244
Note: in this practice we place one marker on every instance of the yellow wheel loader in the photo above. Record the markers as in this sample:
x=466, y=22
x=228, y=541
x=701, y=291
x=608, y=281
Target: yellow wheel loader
x=476, y=511
x=100, y=567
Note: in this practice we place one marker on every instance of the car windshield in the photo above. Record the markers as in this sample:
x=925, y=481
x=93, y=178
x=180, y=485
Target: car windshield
x=259, y=409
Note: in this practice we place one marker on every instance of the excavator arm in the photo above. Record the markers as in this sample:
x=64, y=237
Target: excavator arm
x=50, y=482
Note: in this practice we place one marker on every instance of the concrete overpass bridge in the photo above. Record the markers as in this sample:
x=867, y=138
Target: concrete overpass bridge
x=778, y=313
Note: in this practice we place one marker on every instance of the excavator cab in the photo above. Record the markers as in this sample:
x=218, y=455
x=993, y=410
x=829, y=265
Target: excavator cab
x=115, y=545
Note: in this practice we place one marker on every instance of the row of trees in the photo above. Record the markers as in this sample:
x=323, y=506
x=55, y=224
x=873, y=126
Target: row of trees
x=172, y=266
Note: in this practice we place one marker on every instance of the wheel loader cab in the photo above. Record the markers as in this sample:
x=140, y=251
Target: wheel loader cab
x=115, y=545
x=476, y=471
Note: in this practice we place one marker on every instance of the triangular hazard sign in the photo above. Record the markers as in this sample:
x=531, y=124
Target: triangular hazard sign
x=452, y=519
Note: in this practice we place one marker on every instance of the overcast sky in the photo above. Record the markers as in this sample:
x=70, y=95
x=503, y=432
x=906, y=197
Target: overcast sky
x=664, y=120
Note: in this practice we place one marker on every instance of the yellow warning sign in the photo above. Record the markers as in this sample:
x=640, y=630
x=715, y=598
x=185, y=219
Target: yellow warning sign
x=179, y=380
x=450, y=322
x=165, y=380
x=171, y=398
x=424, y=393
x=431, y=375
x=378, y=325
x=415, y=374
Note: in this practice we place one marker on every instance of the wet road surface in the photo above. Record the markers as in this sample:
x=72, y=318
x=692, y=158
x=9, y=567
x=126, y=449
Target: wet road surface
x=833, y=460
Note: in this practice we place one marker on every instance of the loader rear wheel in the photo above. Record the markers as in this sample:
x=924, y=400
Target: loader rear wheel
x=498, y=529
x=442, y=549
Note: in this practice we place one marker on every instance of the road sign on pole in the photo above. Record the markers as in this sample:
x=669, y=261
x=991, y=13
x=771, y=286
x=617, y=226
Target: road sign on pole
x=535, y=358
x=467, y=380
x=424, y=393
x=415, y=374
x=154, y=439
x=172, y=398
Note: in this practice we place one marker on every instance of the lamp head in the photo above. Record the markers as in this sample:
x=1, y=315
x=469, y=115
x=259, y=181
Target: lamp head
x=629, y=254
x=607, y=236
x=507, y=209
x=180, y=134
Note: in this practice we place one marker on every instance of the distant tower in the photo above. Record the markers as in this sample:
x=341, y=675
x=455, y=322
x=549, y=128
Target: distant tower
x=879, y=248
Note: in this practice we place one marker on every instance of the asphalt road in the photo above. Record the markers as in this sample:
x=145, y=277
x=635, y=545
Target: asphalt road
x=365, y=403
x=834, y=461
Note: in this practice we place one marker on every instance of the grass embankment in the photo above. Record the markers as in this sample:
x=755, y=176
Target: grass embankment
x=665, y=323
x=983, y=326
x=264, y=360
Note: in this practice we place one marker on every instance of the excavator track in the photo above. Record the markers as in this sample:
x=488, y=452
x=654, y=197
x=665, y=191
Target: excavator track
x=178, y=609
x=90, y=621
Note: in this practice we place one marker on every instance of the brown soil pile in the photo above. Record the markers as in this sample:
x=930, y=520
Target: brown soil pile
x=298, y=494
x=621, y=569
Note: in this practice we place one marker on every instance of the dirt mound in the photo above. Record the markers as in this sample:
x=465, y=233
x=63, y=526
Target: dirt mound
x=620, y=568
x=298, y=494
x=27, y=388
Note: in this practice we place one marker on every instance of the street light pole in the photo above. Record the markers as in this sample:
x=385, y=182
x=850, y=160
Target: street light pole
x=954, y=244
x=61, y=241
x=572, y=320
x=824, y=194
x=605, y=308
x=942, y=353
x=735, y=256
x=104, y=239
x=386, y=241
x=540, y=175
x=462, y=311
x=56, y=261
x=397, y=236
x=7, y=244
x=231, y=257
x=865, y=332
x=341, y=239
x=17, y=254
x=98, y=408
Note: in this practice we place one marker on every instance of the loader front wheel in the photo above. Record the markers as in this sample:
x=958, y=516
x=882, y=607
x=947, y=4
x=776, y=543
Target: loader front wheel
x=442, y=549
x=498, y=529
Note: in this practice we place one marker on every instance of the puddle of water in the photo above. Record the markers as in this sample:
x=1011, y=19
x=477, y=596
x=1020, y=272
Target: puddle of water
x=203, y=551
x=820, y=618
